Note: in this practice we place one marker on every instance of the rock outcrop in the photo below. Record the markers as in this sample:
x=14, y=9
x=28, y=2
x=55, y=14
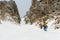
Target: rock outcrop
x=43, y=10
x=9, y=11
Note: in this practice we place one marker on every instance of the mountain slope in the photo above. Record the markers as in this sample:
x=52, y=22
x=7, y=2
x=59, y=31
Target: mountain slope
x=23, y=31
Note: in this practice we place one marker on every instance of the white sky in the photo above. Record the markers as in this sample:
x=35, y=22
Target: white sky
x=23, y=6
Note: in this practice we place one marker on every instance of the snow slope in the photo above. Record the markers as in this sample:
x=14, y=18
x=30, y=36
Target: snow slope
x=23, y=31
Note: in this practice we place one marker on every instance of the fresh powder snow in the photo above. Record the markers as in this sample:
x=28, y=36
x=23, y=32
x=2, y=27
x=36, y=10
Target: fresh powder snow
x=10, y=31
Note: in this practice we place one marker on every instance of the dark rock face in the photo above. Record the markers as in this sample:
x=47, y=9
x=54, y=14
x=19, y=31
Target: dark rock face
x=43, y=10
x=9, y=11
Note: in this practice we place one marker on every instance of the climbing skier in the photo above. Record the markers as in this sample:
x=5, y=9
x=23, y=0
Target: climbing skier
x=45, y=26
x=41, y=25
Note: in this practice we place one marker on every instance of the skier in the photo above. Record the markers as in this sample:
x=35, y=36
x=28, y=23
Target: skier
x=41, y=25
x=45, y=26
